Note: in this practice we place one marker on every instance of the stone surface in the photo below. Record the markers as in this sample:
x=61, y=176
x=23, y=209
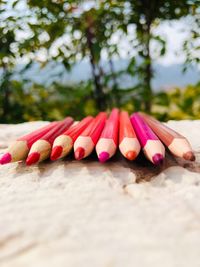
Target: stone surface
x=69, y=213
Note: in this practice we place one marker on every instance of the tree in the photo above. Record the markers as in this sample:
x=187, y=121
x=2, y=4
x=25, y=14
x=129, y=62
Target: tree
x=191, y=46
x=69, y=31
x=146, y=15
x=82, y=33
x=7, y=56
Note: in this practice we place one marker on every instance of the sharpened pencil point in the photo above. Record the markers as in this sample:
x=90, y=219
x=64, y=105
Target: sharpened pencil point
x=158, y=159
x=103, y=157
x=79, y=153
x=33, y=158
x=56, y=152
x=189, y=156
x=131, y=155
x=6, y=158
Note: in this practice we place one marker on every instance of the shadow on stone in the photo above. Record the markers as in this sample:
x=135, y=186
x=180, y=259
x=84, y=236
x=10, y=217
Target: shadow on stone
x=141, y=167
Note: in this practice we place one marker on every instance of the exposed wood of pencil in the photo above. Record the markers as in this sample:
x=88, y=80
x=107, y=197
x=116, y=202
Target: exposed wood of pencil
x=129, y=145
x=85, y=143
x=63, y=144
x=37, y=134
x=107, y=145
x=19, y=149
x=41, y=149
x=176, y=143
x=105, y=149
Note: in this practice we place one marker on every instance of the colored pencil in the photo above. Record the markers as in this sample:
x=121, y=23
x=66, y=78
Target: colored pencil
x=151, y=145
x=63, y=144
x=129, y=145
x=20, y=148
x=41, y=149
x=85, y=143
x=108, y=141
x=175, y=142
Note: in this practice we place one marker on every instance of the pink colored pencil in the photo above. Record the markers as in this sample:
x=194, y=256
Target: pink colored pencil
x=41, y=149
x=108, y=141
x=175, y=142
x=86, y=142
x=63, y=144
x=151, y=145
x=20, y=148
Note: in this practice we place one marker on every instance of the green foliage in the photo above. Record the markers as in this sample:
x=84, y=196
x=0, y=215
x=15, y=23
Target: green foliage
x=90, y=31
x=30, y=102
x=68, y=31
x=178, y=103
x=146, y=16
x=191, y=46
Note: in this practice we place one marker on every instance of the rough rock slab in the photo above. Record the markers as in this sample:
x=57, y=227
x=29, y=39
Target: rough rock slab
x=87, y=214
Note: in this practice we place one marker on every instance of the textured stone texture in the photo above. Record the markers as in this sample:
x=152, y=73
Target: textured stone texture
x=87, y=214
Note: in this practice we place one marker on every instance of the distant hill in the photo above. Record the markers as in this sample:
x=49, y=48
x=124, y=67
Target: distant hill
x=165, y=76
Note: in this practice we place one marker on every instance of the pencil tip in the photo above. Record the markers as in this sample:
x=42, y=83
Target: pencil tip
x=6, y=158
x=33, y=158
x=189, y=156
x=158, y=159
x=103, y=156
x=130, y=155
x=79, y=153
x=56, y=152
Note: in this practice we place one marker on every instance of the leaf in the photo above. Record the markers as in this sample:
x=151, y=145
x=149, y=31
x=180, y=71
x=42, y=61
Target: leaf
x=15, y=3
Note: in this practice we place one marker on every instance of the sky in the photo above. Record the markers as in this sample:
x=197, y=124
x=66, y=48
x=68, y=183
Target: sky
x=174, y=32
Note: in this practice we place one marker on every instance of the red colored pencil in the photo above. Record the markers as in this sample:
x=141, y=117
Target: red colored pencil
x=129, y=145
x=175, y=142
x=64, y=143
x=86, y=142
x=41, y=149
x=151, y=145
x=20, y=148
x=108, y=141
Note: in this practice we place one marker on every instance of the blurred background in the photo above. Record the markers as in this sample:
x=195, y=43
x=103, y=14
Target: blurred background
x=78, y=57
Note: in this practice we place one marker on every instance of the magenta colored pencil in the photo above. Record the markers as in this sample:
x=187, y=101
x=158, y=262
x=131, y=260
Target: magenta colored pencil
x=151, y=145
x=108, y=141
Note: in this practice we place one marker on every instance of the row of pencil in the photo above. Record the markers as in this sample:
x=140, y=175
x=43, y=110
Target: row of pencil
x=105, y=134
